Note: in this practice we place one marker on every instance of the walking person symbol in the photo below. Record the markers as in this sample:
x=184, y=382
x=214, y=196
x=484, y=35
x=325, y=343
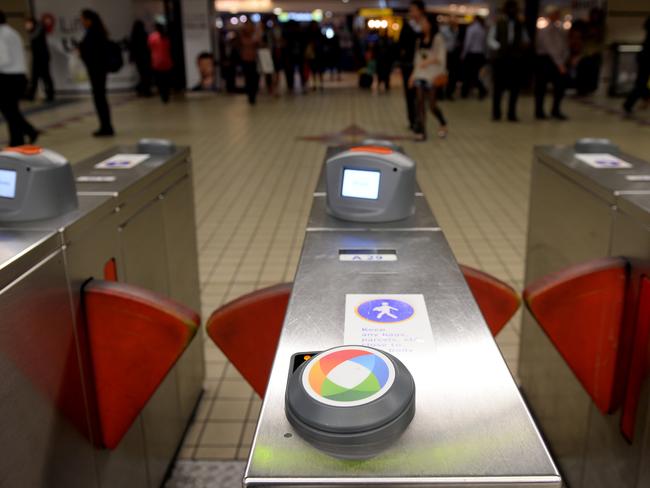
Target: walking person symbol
x=385, y=309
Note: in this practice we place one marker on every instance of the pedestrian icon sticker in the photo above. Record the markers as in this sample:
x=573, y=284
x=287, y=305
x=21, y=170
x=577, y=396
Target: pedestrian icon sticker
x=385, y=311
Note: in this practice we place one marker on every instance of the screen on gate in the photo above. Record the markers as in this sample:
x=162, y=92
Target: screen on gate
x=359, y=183
x=7, y=183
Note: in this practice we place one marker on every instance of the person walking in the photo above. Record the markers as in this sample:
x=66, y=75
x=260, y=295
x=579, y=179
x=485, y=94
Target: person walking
x=407, y=43
x=314, y=55
x=161, y=60
x=473, y=57
x=429, y=74
x=93, y=49
x=40, y=60
x=640, y=89
x=140, y=55
x=507, y=40
x=13, y=81
x=384, y=56
x=249, y=43
x=552, y=47
x=293, y=56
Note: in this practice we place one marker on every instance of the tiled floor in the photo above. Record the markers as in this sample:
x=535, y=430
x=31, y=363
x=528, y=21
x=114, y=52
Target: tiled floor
x=253, y=180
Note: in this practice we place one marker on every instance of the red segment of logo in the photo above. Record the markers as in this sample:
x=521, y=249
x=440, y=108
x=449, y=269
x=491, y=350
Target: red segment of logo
x=331, y=361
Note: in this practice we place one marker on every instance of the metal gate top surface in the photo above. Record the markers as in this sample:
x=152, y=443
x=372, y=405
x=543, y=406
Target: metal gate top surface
x=114, y=180
x=637, y=206
x=22, y=249
x=605, y=182
x=471, y=425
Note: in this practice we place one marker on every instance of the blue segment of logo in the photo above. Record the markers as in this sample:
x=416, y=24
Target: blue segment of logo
x=385, y=310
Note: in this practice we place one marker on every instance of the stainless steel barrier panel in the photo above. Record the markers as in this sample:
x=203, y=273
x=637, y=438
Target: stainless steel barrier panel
x=574, y=218
x=471, y=426
x=139, y=221
x=44, y=439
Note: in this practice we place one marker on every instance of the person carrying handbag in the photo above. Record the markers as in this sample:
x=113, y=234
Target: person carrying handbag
x=429, y=74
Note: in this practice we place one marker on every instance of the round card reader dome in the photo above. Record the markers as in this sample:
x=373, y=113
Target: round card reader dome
x=35, y=184
x=370, y=184
x=351, y=401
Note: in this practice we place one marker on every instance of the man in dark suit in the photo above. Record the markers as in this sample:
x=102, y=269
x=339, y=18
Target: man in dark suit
x=507, y=41
x=407, y=42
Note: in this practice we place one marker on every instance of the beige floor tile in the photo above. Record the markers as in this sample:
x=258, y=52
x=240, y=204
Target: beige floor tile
x=229, y=410
x=234, y=389
x=214, y=453
x=221, y=433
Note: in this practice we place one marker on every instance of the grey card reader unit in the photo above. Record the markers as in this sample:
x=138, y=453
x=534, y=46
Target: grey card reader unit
x=370, y=184
x=351, y=402
x=35, y=183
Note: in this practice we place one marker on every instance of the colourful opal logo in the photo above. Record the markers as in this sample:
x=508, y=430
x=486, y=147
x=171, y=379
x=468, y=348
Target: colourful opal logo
x=348, y=376
x=385, y=311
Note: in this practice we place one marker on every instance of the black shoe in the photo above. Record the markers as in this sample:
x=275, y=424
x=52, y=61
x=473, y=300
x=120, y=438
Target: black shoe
x=513, y=118
x=541, y=116
x=104, y=133
x=559, y=116
x=496, y=118
x=33, y=136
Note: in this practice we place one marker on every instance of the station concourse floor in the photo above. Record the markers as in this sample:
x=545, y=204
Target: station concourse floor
x=255, y=169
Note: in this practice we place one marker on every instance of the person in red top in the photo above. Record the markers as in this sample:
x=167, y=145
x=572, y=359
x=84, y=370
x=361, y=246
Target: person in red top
x=161, y=60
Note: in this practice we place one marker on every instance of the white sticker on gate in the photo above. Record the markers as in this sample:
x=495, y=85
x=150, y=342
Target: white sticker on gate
x=396, y=323
x=122, y=161
x=603, y=161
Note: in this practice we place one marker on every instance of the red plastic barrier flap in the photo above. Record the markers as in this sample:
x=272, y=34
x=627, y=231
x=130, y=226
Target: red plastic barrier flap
x=581, y=311
x=497, y=300
x=135, y=336
x=640, y=363
x=247, y=330
x=110, y=270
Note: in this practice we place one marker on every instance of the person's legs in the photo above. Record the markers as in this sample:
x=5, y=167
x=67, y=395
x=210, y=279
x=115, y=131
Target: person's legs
x=640, y=88
x=13, y=89
x=32, y=86
x=480, y=62
x=497, y=89
x=98, y=83
x=47, y=80
x=558, y=80
x=541, y=80
x=289, y=70
x=164, y=85
x=435, y=110
x=468, y=75
x=420, y=111
x=514, y=83
x=409, y=95
x=9, y=110
x=252, y=81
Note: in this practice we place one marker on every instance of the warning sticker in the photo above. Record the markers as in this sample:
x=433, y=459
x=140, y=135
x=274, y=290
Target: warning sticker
x=603, y=161
x=398, y=324
x=122, y=161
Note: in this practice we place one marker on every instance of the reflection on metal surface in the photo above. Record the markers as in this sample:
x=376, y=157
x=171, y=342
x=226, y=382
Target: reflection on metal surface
x=579, y=213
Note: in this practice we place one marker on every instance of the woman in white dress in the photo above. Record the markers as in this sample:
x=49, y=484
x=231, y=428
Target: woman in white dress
x=429, y=74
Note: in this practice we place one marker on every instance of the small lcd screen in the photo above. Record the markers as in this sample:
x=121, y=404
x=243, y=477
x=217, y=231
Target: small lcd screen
x=361, y=183
x=7, y=183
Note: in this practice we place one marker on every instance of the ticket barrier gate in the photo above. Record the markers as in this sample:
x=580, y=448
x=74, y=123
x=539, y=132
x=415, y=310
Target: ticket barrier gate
x=589, y=203
x=370, y=300
x=134, y=222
